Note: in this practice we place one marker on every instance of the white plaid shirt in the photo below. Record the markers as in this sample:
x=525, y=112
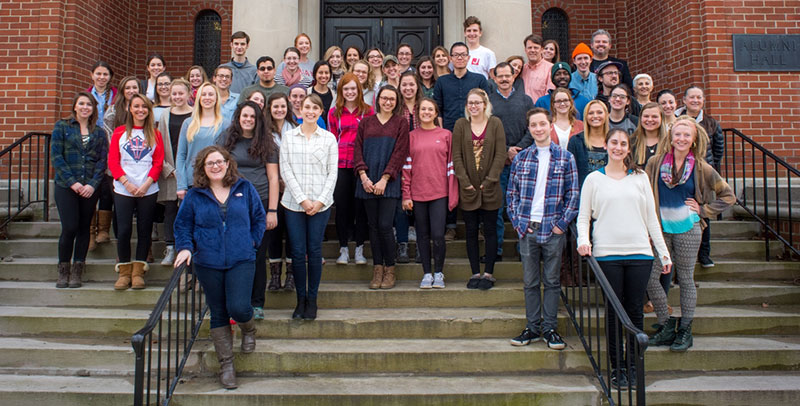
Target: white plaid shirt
x=308, y=167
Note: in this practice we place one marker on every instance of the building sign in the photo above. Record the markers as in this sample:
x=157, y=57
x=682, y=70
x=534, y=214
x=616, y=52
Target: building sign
x=766, y=52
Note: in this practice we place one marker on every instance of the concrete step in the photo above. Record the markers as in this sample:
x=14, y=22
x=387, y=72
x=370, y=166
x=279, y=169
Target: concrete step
x=466, y=322
x=725, y=229
x=746, y=388
x=350, y=295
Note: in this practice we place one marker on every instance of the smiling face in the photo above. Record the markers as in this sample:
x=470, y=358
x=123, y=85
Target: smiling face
x=155, y=67
x=408, y=87
x=387, y=101
x=549, y=52
x=643, y=87
x=504, y=78
x=296, y=97
x=336, y=59
x=517, y=64
x=601, y=44
x=223, y=79
x=239, y=46
x=561, y=78
x=561, y=103
x=195, y=77
x=139, y=111
x=291, y=59
x=83, y=108
x=426, y=70
x=257, y=98
x=427, y=112
x=208, y=97
x=390, y=70
x=310, y=111
x=693, y=100
x=323, y=75
x=216, y=166
x=247, y=119
x=362, y=72
x=533, y=51
x=475, y=106
x=618, y=146
x=651, y=119
x=582, y=62
x=682, y=137
x=278, y=109
x=618, y=99
x=596, y=116
x=668, y=104
x=100, y=77
x=350, y=91
x=609, y=77
x=441, y=58
x=352, y=56
x=473, y=34
x=163, y=87
x=375, y=59
x=303, y=44
x=539, y=126
x=266, y=71
x=179, y=95
x=404, y=55
x=130, y=89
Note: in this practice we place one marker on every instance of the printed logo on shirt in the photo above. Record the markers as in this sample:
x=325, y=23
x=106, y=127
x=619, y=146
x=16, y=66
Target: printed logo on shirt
x=137, y=148
x=476, y=61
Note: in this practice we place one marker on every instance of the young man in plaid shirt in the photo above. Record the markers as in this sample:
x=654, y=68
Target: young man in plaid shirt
x=542, y=198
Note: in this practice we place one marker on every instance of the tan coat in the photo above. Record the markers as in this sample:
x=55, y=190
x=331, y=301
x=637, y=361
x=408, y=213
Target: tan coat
x=167, y=185
x=711, y=191
x=488, y=175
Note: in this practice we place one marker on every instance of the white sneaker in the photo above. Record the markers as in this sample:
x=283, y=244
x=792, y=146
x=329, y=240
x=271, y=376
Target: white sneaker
x=427, y=281
x=438, y=280
x=412, y=234
x=169, y=255
x=360, y=258
x=344, y=256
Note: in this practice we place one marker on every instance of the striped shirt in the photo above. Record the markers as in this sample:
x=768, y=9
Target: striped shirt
x=308, y=167
x=560, y=197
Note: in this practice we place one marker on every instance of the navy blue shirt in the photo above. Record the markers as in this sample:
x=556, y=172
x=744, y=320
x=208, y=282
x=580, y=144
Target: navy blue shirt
x=450, y=93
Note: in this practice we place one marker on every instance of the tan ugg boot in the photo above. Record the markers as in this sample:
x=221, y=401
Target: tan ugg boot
x=140, y=268
x=388, y=278
x=124, y=270
x=103, y=225
x=93, y=233
x=377, y=277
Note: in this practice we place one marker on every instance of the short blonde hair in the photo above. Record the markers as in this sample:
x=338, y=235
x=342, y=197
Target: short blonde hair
x=487, y=109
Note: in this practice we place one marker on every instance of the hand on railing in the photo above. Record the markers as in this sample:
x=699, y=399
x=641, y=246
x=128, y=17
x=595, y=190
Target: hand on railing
x=183, y=256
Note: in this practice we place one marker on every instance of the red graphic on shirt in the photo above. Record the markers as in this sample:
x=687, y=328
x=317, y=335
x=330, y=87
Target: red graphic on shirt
x=476, y=61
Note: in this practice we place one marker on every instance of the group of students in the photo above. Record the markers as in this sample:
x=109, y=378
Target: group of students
x=263, y=153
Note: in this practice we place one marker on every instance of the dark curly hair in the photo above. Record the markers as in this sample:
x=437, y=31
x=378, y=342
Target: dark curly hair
x=262, y=146
x=201, y=179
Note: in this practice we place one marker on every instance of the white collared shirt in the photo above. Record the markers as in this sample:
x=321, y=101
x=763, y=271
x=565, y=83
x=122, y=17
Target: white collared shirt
x=308, y=167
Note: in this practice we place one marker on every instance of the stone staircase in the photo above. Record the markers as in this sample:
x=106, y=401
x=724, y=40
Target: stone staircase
x=391, y=347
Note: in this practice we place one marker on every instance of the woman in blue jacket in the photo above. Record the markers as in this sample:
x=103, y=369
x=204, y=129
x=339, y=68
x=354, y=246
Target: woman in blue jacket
x=220, y=223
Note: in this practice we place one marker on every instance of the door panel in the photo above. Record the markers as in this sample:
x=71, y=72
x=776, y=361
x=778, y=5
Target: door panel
x=363, y=33
x=420, y=33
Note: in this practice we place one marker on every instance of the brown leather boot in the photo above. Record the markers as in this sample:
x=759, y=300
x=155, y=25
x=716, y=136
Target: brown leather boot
x=63, y=275
x=274, y=276
x=93, y=233
x=388, y=278
x=137, y=275
x=75, y=274
x=103, y=225
x=223, y=346
x=248, y=336
x=124, y=270
x=377, y=277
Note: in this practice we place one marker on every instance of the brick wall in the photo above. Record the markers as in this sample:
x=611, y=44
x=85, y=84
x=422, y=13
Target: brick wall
x=585, y=17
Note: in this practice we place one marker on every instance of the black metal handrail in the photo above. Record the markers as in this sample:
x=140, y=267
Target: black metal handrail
x=746, y=160
x=33, y=171
x=185, y=312
x=583, y=302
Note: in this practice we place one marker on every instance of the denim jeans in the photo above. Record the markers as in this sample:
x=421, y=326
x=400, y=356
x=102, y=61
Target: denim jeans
x=228, y=292
x=501, y=225
x=541, y=310
x=305, y=241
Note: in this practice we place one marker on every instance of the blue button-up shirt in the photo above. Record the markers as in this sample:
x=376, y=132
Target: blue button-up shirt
x=561, y=196
x=450, y=93
x=586, y=87
x=229, y=107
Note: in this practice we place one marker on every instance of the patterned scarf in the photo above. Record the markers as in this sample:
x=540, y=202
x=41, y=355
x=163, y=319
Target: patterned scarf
x=291, y=78
x=666, y=169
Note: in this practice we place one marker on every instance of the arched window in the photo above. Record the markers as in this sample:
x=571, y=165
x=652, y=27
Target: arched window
x=555, y=25
x=207, y=40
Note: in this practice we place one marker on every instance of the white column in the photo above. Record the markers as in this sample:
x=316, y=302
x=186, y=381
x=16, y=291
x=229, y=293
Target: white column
x=271, y=25
x=308, y=22
x=505, y=24
x=453, y=15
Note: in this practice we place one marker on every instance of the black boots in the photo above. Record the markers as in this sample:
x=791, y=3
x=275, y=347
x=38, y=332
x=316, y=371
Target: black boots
x=311, y=309
x=300, y=309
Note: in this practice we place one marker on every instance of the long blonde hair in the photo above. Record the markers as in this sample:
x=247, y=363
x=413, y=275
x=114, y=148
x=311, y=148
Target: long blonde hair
x=700, y=143
x=639, y=136
x=197, y=114
x=148, y=128
x=587, y=128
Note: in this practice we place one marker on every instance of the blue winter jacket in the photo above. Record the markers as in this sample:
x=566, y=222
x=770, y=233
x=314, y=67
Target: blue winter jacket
x=217, y=242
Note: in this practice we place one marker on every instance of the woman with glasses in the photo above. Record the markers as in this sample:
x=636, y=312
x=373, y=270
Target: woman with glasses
x=565, y=117
x=619, y=115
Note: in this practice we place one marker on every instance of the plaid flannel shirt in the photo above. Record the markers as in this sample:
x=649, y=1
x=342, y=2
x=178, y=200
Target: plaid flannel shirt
x=561, y=196
x=72, y=161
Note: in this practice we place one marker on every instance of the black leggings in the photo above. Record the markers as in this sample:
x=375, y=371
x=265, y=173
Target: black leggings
x=170, y=212
x=145, y=208
x=260, y=277
x=106, y=195
x=349, y=210
x=76, y=214
x=380, y=216
x=629, y=280
x=430, y=221
x=472, y=220
x=278, y=235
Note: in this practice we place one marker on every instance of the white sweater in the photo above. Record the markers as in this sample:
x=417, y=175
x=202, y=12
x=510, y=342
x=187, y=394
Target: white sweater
x=625, y=216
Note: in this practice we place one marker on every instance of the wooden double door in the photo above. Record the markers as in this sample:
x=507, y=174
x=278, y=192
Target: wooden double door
x=382, y=24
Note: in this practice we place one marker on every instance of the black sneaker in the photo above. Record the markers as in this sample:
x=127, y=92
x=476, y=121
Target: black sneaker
x=553, y=340
x=706, y=262
x=486, y=283
x=473, y=282
x=619, y=379
x=527, y=337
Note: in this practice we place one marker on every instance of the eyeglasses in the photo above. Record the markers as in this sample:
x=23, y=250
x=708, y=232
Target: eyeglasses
x=404, y=53
x=459, y=56
x=475, y=103
x=263, y=68
x=386, y=99
x=565, y=101
x=612, y=73
x=618, y=96
x=219, y=163
x=374, y=57
x=224, y=76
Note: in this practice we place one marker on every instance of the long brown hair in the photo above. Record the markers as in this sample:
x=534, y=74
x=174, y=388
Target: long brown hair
x=262, y=145
x=572, y=114
x=92, y=118
x=639, y=137
x=148, y=128
x=201, y=179
x=628, y=161
x=121, y=105
x=361, y=107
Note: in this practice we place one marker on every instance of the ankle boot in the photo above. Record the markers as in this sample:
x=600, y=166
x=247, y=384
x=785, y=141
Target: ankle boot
x=223, y=345
x=93, y=233
x=124, y=269
x=137, y=275
x=300, y=309
x=311, y=309
x=103, y=225
x=683, y=339
x=388, y=278
x=665, y=334
x=402, y=253
x=377, y=277
x=63, y=275
x=248, y=336
x=75, y=274
x=274, y=276
x=288, y=284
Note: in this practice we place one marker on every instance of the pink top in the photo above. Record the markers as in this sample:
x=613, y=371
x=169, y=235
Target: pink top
x=537, y=79
x=425, y=174
x=345, y=130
